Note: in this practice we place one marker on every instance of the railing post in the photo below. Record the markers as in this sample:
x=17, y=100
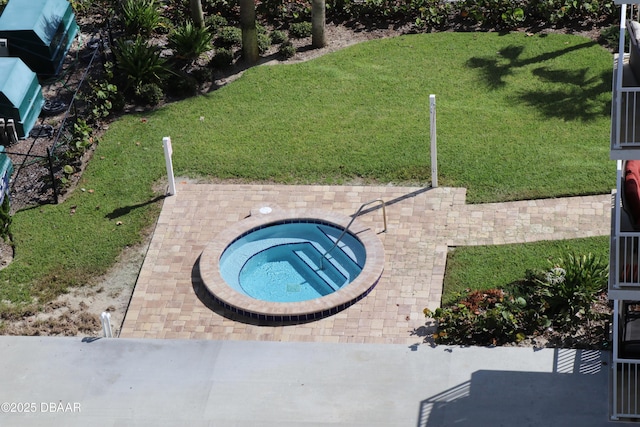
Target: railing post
x=168, y=151
x=434, y=149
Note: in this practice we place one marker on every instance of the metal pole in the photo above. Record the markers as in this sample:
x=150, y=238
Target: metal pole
x=53, y=177
x=434, y=148
x=168, y=151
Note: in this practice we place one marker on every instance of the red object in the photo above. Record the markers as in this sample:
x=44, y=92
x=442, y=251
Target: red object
x=632, y=190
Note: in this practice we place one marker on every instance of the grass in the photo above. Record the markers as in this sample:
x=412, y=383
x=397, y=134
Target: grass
x=487, y=267
x=518, y=117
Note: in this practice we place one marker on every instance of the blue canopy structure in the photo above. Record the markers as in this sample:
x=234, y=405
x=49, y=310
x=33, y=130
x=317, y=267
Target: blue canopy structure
x=20, y=95
x=40, y=32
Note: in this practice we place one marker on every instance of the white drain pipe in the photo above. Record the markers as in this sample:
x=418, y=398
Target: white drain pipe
x=168, y=151
x=434, y=148
x=105, y=318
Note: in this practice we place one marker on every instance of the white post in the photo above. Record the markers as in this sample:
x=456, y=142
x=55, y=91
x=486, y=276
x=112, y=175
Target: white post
x=105, y=317
x=168, y=151
x=434, y=147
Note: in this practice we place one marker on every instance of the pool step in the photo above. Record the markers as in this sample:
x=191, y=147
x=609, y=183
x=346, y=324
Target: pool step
x=343, y=254
x=310, y=256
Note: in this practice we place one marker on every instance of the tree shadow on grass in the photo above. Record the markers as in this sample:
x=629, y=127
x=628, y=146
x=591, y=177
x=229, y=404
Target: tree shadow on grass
x=572, y=95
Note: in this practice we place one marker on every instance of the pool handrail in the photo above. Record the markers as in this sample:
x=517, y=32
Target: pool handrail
x=384, y=217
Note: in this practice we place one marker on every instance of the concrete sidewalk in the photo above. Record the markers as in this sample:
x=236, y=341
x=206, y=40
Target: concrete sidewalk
x=130, y=382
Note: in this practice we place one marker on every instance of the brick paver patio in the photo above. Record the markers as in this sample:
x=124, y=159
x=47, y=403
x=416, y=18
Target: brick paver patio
x=423, y=223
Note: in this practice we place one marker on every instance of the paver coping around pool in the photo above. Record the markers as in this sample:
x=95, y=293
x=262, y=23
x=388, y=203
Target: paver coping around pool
x=291, y=311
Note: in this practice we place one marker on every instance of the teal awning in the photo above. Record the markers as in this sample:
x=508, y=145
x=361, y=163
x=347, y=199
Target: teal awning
x=40, y=32
x=20, y=94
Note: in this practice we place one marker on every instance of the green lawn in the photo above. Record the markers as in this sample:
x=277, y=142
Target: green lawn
x=518, y=117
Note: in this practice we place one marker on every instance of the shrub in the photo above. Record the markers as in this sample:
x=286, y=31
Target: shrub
x=101, y=99
x=222, y=58
x=300, y=30
x=5, y=219
x=139, y=62
x=228, y=37
x=610, y=36
x=287, y=49
x=494, y=13
x=278, y=36
x=182, y=84
x=568, y=290
x=149, y=94
x=216, y=22
x=561, y=297
x=141, y=17
x=202, y=75
x=432, y=14
x=189, y=42
x=264, y=42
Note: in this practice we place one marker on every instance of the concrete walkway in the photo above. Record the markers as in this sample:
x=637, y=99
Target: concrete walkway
x=233, y=373
x=128, y=382
x=423, y=224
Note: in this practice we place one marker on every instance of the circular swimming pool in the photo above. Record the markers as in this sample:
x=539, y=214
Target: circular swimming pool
x=292, y=261
x=283, y=265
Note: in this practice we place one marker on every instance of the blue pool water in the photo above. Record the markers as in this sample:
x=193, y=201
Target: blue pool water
x=283, y=262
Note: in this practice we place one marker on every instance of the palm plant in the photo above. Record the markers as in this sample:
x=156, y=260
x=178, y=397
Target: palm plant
x=141, y=17
x=140, y=62
x=189, y=41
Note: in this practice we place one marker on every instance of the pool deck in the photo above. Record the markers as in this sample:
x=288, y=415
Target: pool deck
x=422, y=225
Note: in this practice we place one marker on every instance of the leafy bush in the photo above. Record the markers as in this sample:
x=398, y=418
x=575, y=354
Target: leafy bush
x=215, y=22
x=278, y=36
x=610, y=36
x=139, y=62
x=498, y=14
x=101, y=100
x=202, y=75
x=222, y=58
x=264, y=42
x=561, y=297
x=287, y=49
x=300, y=30
x=285, y=10
x=141, y=17
x=5, y=219
x=149, y=94
x=189, y=42
x=432, y=13
x=228, y=37
x=182, y=84
x=81, y=139
x=570, y=288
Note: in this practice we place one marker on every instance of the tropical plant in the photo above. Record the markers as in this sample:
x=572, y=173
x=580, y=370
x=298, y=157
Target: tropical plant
x=189, y=41
x=494, y=13
x=140, y=62
x=140, y=17
x=101, y=100
x=432, y=13
x=569, y=289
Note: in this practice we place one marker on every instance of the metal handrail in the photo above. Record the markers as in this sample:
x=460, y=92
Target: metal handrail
x=384, y=216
